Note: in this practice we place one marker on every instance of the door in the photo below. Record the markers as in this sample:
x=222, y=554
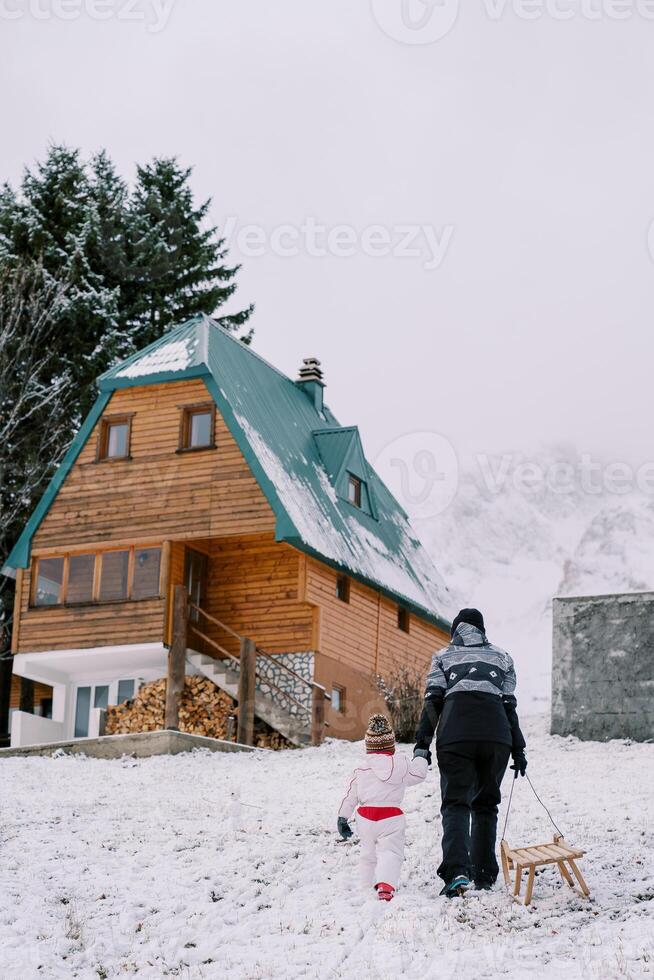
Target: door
x=195, y=580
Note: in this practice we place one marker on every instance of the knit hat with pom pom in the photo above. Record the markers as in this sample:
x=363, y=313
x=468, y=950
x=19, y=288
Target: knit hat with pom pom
x=380, y=736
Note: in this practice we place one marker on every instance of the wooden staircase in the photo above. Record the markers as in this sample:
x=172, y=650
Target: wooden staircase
x=258, y=692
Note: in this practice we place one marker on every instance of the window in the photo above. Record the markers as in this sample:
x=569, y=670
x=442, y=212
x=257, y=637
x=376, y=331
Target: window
x=49, y=582
x=354, y=490
x=343, y=588
x=114, y=575
x=109, y=576
x=114, y=438
x=197, y=427
x=147, y=563
x=403, y=619
x=125, y=691
x=338, y=698
x=101, y=696
x=82, y=711
x=91, y=696
x=81, y=569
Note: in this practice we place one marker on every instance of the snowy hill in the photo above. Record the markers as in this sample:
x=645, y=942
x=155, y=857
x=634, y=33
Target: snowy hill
x=509, y=549
x=204, y=866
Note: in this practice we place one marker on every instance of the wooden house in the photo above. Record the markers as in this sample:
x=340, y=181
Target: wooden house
x=201, y=464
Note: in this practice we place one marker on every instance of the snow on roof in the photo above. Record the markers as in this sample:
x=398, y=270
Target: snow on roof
x=177, y=355
x=406, y=571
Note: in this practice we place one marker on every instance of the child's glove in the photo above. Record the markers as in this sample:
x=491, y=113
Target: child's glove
x=519, y=763
x=422, y=754
x=344, y=828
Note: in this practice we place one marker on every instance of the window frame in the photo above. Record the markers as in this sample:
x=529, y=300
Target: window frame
x=124, y=418
x=342, y=693
x=130, y=571
x=346, y=581
x=35, y=579
x=67, y=557
x=357, y=483
x=97, y=573
x=404, y=619
x=186, y=414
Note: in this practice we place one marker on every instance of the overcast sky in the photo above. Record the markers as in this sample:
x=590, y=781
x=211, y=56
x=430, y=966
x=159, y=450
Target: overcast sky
x=512, y=158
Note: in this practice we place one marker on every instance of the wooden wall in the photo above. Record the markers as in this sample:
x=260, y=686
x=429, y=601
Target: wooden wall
x=362, y=697
x=158, y=493
x=40, y=691
x=363, y=634
x=254, y=588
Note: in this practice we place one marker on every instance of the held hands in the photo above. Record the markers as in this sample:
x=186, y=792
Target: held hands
x=422, y=754
x=344, y=828
x=519, y=764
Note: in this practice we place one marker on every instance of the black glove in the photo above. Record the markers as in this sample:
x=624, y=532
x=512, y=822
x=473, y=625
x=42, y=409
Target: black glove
x=344, y=828
x=422, y=754
x=519, y=763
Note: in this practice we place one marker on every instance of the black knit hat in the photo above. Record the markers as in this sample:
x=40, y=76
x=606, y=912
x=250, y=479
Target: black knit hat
x=471, y=616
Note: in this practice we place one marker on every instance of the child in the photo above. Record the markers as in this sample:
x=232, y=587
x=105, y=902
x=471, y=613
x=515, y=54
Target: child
x=378, y=787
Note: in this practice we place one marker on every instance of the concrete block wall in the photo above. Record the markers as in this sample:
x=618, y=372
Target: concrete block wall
x=603, y=666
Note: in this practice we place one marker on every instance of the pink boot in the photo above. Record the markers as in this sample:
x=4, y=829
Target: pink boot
x=385, y=892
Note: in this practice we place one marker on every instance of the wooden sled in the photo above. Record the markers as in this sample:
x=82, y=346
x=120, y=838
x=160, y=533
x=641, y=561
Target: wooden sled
x=523, y=858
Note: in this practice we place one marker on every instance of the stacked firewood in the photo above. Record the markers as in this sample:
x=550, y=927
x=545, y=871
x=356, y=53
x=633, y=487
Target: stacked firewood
x=204, y=710
x=266, y=737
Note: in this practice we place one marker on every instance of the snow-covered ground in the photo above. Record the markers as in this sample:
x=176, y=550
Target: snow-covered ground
x=203, y=866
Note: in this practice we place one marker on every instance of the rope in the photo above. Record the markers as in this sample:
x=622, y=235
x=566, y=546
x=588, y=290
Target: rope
x=544, y=807
x=508, y=808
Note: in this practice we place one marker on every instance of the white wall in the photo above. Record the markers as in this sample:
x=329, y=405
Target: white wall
x=27, y=729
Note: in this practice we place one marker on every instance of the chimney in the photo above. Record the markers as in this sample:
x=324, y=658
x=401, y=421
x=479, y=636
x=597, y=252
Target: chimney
x=310, y=381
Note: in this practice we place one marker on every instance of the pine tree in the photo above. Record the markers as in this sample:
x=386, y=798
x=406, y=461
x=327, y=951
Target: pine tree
x=53, y=222
x=178, y=267
x=35, y=409
x=103, y=273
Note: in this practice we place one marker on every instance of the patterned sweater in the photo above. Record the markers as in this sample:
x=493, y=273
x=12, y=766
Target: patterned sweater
x=470, y=694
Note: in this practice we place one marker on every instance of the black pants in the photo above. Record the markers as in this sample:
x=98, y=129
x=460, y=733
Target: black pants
x=471, y=775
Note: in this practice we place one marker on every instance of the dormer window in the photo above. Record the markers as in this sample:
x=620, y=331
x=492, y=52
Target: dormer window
x=114, y=439
x=197, y=428
x=346, y=468
x=354, y=490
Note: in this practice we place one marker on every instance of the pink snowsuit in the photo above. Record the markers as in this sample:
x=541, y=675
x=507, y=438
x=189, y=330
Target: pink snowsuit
x=377, y=788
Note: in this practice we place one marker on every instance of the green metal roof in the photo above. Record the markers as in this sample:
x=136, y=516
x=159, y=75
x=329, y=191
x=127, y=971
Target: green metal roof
x=297, y=454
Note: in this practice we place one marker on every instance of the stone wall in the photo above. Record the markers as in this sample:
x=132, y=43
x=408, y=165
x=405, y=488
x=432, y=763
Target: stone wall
x=603, y=667
x=276, y=683
x=284, y=683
